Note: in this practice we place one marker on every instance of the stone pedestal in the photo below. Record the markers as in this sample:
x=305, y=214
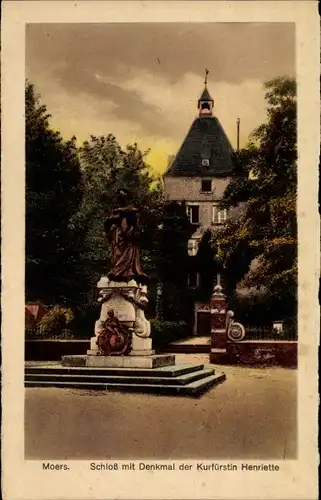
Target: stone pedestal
x=127, y=301
x=141, y=347
x=146, y=361
x=124, y=359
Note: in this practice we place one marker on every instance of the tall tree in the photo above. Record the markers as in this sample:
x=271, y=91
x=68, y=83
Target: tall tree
x=260, y=244
x=53, y=194
x=106, y=167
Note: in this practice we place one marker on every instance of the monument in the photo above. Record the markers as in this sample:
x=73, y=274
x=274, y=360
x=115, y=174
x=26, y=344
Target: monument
x=121, y=356
x=122, y=332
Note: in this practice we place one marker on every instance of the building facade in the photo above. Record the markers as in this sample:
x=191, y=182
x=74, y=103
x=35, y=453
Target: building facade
x=198, y=176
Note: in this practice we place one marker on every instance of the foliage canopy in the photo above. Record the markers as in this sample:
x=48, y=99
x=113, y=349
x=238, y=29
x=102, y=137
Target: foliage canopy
x=260, y=244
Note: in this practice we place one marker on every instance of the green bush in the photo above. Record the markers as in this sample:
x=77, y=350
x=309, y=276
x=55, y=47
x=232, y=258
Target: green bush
x=56, y=323
x=164, y=332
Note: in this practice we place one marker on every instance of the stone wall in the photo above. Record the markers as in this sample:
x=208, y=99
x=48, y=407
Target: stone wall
x=52, y=350
x=189, y=188
x=244, y=353
x=259, y=353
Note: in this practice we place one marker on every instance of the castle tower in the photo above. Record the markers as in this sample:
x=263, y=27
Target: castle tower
x=198, y=175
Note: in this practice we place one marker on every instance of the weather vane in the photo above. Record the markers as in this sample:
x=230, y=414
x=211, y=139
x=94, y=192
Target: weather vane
x=206, y=73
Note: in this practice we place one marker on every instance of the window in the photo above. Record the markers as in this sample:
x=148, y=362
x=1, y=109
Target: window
x=206, y=186
x=193, y=213
x=219, y=216
x=192, y=247
x=205, y=162
x=219, y=279
x=193, y=280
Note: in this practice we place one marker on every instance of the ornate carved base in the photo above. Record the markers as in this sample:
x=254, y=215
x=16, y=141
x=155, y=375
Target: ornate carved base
x=122, y=328
x=114, y=338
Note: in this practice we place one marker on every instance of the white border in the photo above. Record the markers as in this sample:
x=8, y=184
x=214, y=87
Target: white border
x=24, y=480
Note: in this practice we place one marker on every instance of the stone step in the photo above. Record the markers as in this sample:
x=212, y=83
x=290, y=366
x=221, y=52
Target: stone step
x=195, y=388
x=200, y=386
x=164, y=371
x=150, y=379
x=131, y=361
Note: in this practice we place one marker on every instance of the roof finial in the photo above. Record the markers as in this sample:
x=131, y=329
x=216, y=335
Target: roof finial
x=206, y=73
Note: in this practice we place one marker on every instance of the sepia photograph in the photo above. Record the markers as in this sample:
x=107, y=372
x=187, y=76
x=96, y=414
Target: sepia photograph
x=161, y=241
x=160, y=249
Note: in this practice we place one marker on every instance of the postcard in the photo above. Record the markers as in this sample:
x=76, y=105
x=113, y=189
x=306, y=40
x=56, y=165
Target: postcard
x=160, y=269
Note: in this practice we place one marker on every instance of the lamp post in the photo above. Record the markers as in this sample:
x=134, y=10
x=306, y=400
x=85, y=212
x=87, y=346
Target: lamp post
x=238, y=134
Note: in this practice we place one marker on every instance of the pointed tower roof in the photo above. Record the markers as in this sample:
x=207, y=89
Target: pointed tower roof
x=207, y=140
x=206, y=150
x=206, y=96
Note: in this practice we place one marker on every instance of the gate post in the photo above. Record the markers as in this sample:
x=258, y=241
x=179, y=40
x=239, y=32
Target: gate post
x=218, y=319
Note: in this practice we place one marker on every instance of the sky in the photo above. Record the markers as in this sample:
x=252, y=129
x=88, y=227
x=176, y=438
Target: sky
x=141, y=82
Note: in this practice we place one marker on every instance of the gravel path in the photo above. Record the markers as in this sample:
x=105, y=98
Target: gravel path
x=251, y=415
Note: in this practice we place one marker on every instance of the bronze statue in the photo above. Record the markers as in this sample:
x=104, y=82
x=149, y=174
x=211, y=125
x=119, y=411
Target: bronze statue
x=122, y=229
x=114, y=337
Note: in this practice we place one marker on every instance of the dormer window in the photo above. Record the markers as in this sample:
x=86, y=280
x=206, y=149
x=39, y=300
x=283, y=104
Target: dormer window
x=205, y=150
x=206, y=186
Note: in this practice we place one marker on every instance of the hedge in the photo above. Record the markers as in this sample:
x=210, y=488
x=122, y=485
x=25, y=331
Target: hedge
x=164, y=332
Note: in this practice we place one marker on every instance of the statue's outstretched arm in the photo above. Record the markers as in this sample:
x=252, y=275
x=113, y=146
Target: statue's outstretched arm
x=110, y=221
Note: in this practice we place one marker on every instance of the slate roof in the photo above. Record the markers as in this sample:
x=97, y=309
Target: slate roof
x=206, y=96
x=206, y=139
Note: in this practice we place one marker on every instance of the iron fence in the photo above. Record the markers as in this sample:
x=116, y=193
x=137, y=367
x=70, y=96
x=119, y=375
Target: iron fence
x=40, y=333
x=268, y=333
x=251, y=333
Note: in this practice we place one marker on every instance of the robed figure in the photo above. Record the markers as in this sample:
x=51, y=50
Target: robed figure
x=122, y=229
x=114, y=338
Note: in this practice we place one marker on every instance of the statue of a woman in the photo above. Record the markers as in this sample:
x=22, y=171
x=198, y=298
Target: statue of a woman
x=122, y=229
